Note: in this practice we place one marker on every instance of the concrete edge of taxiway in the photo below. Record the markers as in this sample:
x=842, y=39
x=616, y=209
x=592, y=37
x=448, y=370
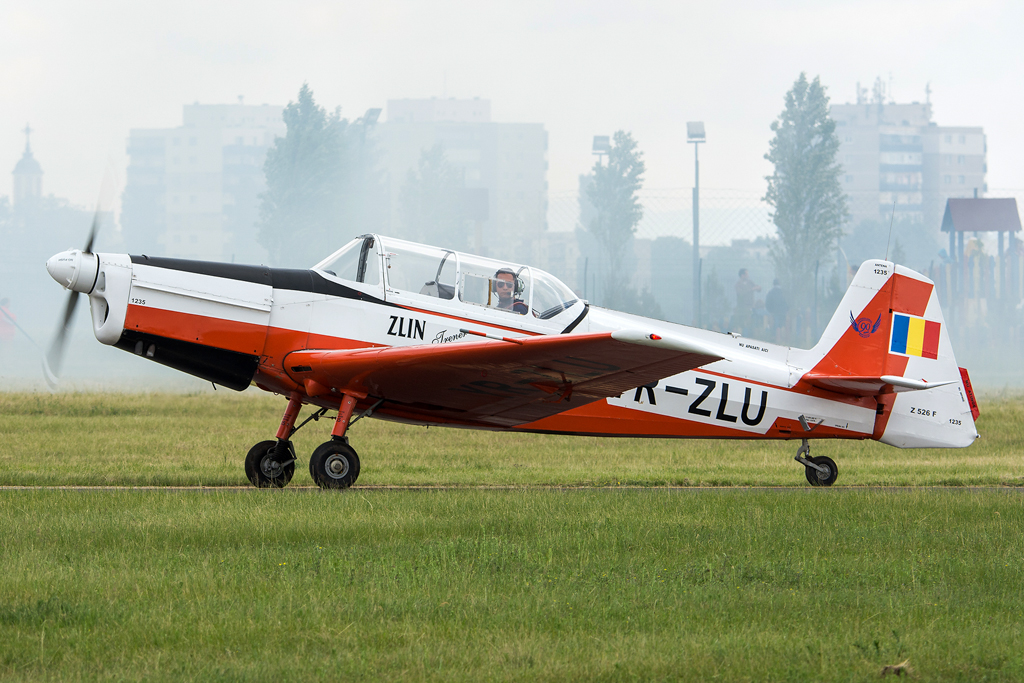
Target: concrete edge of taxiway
x=523, y=487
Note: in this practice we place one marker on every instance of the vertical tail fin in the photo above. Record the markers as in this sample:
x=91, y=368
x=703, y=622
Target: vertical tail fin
x=857, y=339
x=889, y=327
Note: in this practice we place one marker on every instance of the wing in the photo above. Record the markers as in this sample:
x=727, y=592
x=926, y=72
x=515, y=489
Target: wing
x=499, y=383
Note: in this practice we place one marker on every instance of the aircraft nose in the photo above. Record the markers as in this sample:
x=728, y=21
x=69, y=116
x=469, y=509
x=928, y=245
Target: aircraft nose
x=61, y=267
x=70, y=272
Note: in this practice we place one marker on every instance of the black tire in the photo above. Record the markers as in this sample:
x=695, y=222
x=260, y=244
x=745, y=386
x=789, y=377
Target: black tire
x=262, y=465
x=820, y=478
x=334, y=465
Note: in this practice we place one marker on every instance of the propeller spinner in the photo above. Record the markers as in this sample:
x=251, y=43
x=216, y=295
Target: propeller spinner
x=76, y=271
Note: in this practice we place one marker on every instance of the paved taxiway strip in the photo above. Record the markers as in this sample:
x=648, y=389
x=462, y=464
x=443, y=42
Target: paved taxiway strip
x=525, y=487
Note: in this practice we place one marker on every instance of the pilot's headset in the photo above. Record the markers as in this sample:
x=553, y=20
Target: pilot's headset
x=517, y=282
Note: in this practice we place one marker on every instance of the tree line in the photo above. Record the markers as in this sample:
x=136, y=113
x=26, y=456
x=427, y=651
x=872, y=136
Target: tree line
x=325, y=186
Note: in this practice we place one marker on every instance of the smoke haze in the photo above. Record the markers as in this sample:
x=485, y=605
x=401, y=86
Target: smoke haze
x=83, y=75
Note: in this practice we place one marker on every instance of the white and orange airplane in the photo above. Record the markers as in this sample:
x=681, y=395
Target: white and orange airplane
x=431, y=336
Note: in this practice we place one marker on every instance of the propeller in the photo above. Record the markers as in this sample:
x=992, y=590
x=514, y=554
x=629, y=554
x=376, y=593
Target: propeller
x=54, y=358
x=76, y=271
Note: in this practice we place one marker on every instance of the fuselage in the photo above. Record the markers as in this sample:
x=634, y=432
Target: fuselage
x=235, y=325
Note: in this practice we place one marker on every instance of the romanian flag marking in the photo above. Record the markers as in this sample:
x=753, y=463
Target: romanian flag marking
x=913, y=336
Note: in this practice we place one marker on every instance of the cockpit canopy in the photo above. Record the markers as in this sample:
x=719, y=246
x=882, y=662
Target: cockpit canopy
x=421, y=270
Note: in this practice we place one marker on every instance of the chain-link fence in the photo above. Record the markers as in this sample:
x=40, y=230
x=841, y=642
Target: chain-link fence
x=725, y=214
x=736, y=232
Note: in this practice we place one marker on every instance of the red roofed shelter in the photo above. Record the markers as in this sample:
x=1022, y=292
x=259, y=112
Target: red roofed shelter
x=976, y=215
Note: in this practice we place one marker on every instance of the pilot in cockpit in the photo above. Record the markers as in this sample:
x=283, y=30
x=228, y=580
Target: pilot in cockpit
x=508, y=286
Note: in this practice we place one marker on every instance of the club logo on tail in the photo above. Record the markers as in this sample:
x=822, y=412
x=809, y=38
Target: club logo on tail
x=914, y=336
x=863, y=326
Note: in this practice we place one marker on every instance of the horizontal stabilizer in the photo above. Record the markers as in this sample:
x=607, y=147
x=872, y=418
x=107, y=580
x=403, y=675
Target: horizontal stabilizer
x=871, y=386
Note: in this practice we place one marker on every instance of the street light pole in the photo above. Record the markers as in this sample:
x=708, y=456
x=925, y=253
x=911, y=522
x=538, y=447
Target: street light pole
x=695, y=135
x=602, y=146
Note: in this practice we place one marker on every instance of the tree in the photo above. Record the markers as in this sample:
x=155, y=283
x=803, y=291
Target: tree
x=431, y=202
x=809, y=207
x=322, y=184
x=611, y=209
x=613, y=195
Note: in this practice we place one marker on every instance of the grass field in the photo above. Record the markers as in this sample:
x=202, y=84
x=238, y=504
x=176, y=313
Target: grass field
x=528, y=583
x=174, y=439
x=824, y=585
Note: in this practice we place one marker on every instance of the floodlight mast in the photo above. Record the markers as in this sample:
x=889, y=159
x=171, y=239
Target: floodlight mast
x=368, y=120
x=371, y=116
x=602, y=145
x=695, y=135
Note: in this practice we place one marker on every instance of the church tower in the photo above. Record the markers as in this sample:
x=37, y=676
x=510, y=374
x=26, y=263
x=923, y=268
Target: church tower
x=28, y=176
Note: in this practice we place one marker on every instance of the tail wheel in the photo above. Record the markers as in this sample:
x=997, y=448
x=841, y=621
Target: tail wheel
x=267, y=468
x=818, y=478
x=334, y=465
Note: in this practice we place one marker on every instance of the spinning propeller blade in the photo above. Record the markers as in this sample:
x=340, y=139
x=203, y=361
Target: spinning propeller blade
x=93, y=230
x=54, y=358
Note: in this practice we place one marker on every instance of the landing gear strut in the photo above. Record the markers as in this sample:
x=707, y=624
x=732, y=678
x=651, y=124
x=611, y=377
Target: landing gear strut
x=271, y=464
x=820, y=471
x=334, y=465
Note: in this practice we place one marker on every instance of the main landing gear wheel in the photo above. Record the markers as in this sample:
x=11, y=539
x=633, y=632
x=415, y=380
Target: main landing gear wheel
x=267, y=468
x=334, y=465
x=819, y=477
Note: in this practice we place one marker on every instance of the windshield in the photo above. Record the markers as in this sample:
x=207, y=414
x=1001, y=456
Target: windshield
x=357, y=261
x=550, y=295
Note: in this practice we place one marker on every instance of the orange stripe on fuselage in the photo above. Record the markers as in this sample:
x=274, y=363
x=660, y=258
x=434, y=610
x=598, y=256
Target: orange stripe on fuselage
x=273, y=344
x=803, y=388
x=198, y=329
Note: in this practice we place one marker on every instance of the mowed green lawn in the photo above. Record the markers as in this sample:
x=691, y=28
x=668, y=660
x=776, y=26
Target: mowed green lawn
x=526, y=583
x=174, y=439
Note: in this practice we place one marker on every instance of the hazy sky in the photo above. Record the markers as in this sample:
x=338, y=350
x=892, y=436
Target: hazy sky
x=83, y=74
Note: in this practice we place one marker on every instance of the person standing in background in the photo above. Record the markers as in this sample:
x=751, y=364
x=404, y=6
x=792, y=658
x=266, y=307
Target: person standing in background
x=745, y=289
x=777, y=307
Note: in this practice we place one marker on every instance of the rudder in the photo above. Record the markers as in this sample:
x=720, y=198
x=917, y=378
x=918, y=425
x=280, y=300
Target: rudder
x=888, y=337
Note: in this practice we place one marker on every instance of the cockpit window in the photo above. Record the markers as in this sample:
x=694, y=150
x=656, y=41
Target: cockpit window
x=357, y=261
x=419, y=269
x=490, y=283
